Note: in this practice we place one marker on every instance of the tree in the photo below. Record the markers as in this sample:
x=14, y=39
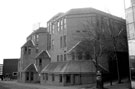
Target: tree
x=105, y=38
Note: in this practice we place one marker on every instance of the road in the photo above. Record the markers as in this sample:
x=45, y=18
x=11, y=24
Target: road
x=13, y=85
x=16, y=85
x=3, y=86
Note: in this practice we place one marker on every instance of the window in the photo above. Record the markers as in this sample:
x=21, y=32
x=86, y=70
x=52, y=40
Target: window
x=60, y=78
x=36, y=50
x=61, y=42
x=93, y=20
x=37, y=37
x=40, y=62
x=33, y=38
x=53, y=28
x=25, y=50
x=29, y=50
x=65, y=58
x=73, y=56
x=79, y=55
x=68, y=79
x=32, y=75
x=57, y=57
x=87, y=56
x=64, y=23
x=58, y=24
x=61, y=24
x=61, y=57
x=46, y=75
x=78, y=31
x=64, y=37
x=52, y=44
x=27, y=75
x=43, y=76
x=53, y=78
x=48, y=27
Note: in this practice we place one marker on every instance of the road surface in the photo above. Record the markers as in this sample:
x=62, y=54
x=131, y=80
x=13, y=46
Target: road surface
x=16, y=85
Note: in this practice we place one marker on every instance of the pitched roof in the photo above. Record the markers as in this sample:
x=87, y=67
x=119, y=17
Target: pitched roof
x=43, y=53
x=29, y=43
x=70, y=67
x=31, y=67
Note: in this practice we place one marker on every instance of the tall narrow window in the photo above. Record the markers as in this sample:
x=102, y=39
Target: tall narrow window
x=60, y=78
x=61, y=57
x=40, y=62
x=68, y=79
x=52, y=44
x=50, y=27
x=58, y=25
x=46, y=75
x=27, y=75
x=37, y=50
x=65, y=23
x=43, y=76
x=93, y=20
x=29, y=50
x=57, y=57
x=25, y=50
x=61, y=23
x=61, y=42
x=53, y=28
x=87, y=56
x=37, y=37
x=64, y=38
x=65, y=58
x=53, y=78
x=32, y=76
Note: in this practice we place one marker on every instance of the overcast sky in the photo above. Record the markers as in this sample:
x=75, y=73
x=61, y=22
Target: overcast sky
x=18, y=18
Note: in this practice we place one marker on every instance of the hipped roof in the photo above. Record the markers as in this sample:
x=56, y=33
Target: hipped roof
x=71, y=67
x=89, y=10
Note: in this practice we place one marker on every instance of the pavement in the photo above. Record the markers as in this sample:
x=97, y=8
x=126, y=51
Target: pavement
x=16, y=85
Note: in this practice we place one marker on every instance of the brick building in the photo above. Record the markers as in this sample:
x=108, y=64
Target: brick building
x=33, y=57
x=10, y=67
x=73, y=37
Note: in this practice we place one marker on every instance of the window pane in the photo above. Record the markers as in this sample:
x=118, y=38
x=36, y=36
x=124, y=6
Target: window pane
x=65, y=57
x=57, y=57
x=65, y=41
x=60, y=78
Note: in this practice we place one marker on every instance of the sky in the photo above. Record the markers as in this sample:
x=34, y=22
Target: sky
x=18, y=18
